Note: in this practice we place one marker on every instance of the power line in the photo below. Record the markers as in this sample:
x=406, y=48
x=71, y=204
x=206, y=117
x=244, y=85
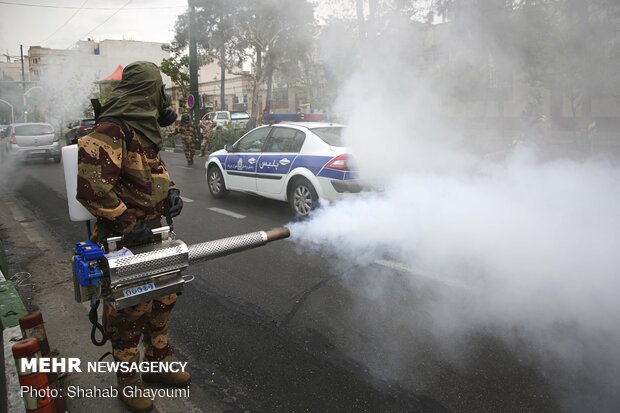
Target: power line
x=106, y=20
x=48, y=6
x=65, y=23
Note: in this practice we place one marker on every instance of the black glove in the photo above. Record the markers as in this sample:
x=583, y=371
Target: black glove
x=139, y=234
x=174, y=202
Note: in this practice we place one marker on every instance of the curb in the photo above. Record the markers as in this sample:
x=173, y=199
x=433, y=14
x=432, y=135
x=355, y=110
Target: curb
x=64, y=320
x=10, y=335
x=178, y=150
x=3, y=261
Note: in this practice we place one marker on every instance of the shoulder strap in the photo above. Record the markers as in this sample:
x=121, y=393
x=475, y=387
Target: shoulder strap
x=96, y=107
x=126, y=131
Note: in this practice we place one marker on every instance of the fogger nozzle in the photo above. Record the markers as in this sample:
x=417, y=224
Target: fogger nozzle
x=278, y=233
x=209, y=250
x=153, y=271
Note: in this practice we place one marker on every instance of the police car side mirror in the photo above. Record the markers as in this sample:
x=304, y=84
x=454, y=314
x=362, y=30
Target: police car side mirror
x=229, y=148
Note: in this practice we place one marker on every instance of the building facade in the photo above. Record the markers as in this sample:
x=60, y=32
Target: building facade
x=93, y=59
x=64, y=80
x=11, y=70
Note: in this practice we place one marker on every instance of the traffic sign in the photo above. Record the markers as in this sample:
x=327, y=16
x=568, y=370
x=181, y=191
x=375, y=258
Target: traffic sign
x=190, y=101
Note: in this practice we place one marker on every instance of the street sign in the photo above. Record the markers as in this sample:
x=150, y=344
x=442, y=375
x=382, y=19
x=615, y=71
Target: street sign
x=190, y=101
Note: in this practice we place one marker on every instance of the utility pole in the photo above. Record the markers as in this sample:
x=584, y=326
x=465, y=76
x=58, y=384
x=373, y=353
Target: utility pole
x=223, y=76
x=193, y=63
x=24, y=110
x=21, y=51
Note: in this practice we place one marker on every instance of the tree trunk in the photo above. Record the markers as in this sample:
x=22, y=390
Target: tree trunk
x=269, y=88
x=371, y=30
x=257, y=74
x=309, y=82
x=269, y=73
x=360, y=18
x=223, y=76
x=586, y=111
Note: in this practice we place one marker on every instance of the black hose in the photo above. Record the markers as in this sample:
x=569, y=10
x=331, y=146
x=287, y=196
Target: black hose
x=94, y=320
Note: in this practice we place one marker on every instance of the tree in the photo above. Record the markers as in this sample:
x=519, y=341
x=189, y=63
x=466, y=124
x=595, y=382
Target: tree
x=588, y=57
x=177, y=68
x=265, y=33
x=564, y=47
x=216, y=35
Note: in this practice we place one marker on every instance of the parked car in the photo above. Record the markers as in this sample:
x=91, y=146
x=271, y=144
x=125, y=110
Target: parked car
x=32, y=140
x=301, y=163
x=240, y=119
x=78, y=129
x=220, y=117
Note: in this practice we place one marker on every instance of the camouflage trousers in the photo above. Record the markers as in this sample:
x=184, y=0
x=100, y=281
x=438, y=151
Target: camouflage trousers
x=203, y=145
x=188, y=148
x=125, y=328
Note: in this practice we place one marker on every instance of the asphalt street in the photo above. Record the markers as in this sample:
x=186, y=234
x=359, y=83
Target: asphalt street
x=278, y=328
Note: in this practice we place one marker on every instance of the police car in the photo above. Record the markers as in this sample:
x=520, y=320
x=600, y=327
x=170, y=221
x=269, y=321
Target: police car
x=298, y=162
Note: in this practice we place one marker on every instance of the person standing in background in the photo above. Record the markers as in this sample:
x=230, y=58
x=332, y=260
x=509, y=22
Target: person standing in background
x=188, y=137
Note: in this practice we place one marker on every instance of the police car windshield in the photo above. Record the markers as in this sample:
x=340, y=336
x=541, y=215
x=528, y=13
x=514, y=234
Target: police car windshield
x=331, y=135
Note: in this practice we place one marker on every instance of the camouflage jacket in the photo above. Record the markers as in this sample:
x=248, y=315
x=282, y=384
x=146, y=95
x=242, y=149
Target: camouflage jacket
x=188, y=132
x=207, y=126
x=118, y=184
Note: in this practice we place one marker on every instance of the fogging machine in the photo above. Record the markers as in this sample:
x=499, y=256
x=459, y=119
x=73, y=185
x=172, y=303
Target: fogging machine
x=128, y=276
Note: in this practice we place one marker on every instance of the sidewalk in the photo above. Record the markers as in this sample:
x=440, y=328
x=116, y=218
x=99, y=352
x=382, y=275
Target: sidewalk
x=50, y=289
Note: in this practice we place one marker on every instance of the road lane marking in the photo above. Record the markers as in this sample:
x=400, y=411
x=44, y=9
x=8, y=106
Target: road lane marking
x=186, y=199
x=227, y=212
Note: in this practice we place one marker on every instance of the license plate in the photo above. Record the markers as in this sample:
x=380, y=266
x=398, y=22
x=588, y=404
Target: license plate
x=138, y=290
x=37, y=152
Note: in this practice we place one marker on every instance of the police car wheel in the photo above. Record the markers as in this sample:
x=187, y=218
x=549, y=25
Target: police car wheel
x=215, y=180
x=303, y=198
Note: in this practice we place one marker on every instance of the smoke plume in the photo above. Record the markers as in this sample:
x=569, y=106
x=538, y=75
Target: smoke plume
x=520, y=245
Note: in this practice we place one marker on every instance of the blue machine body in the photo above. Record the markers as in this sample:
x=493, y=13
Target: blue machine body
x=85, y=262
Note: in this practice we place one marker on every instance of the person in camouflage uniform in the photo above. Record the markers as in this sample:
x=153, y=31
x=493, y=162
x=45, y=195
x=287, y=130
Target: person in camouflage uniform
x=207, y=129
x=124, y=183
x=188, y=137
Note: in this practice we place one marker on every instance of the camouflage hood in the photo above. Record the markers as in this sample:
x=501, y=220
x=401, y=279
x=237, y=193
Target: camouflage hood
x=138, y=99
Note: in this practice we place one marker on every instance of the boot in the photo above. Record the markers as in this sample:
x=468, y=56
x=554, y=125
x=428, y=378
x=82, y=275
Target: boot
x=134, y=401
x=202, y=154
x=190, y=161
x=173, y=379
